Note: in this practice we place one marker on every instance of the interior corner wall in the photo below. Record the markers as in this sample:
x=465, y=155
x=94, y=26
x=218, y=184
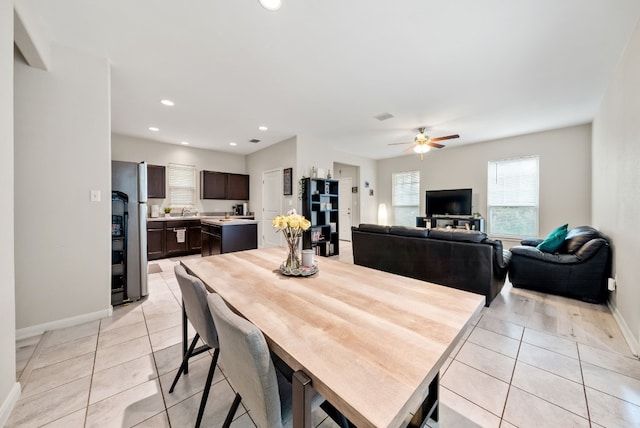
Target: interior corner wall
x=280, y=155
x=616, y=182
x=133, y=149
x=7, y=279
x=565, y=173
x=314, y=151
x=62, y=152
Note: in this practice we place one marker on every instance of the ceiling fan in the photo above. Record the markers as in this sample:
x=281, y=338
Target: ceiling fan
x=422, y=143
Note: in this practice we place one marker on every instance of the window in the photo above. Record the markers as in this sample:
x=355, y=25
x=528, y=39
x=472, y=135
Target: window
x=405, y=195
x=512, y=197
x=182, y=184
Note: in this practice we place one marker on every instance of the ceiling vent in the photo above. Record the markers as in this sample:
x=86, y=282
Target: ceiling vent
x=384, y=116
x=254, y=140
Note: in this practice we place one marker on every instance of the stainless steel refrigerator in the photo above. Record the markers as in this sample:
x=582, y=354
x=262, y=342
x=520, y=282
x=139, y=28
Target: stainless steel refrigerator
x=130, y=178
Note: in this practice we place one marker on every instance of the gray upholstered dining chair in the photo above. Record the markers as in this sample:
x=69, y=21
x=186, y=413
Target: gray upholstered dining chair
x=249, y=368
x=194, y=299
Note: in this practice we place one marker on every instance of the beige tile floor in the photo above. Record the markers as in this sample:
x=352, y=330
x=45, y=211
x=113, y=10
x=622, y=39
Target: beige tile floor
x=529, y=360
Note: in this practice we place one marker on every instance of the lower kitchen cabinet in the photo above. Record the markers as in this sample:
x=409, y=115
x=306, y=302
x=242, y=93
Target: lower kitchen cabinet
x=173, y=238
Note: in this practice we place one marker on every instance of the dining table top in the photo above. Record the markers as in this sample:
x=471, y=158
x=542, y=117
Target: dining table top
x=371, y=341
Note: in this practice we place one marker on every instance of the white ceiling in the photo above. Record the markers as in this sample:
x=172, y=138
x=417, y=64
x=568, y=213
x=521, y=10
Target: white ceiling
x=323, y=68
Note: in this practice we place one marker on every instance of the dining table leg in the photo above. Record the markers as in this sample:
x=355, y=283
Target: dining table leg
x=302, y=395
x=429, y=409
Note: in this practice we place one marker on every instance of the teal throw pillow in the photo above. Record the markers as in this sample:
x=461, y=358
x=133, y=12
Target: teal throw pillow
x=554, y=240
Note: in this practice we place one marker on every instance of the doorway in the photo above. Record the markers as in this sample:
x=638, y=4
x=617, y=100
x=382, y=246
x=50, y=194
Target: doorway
x=344, y=204
x=271, y=205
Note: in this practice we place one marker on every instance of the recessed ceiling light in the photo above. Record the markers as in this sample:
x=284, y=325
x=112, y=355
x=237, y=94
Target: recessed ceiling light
x=262, y=128
x=168, y=103
x=184, y=143
x=154, y=129
x=271, y=4
x=233, y=144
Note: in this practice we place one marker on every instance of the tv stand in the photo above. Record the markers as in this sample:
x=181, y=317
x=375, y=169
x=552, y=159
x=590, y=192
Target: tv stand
x=455, y=222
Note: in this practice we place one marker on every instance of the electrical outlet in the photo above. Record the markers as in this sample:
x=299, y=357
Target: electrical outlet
x=95, y=196
x=611, y=284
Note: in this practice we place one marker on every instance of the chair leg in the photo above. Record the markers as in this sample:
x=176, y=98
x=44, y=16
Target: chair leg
x=185, y=360
x=232, y=411
x=207, y=386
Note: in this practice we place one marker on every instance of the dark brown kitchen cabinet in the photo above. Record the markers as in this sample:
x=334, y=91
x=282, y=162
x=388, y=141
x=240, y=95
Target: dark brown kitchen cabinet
x=156, y=182
x=224, y=185
x=194, y=238
x=213, y=185
x=238, y=187
x=155, y=240
x=166, y=239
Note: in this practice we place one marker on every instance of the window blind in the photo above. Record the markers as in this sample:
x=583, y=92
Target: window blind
x=182, y=184
x=512, y=196
x=405, y=197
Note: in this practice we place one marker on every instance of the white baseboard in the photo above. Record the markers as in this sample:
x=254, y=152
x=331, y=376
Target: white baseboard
x=9, y=403
x=626, y=331
x=23, y=333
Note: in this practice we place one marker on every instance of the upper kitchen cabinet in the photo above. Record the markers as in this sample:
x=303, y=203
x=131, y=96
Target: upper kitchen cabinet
x=223, y=185
x=238, y=187
x=213, y=185
x=156, y=186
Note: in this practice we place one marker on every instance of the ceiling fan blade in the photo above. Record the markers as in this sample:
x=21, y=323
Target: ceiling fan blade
x=435, y=145
x=408, y=149
x=448, y=137
x=397, y=144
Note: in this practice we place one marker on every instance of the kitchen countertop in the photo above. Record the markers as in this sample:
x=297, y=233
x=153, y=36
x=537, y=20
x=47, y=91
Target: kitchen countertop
x=199, y=217
x=228, y=221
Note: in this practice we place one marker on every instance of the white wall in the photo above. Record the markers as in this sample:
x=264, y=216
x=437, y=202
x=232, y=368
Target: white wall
x=9, y=389
x=281, y=155
x=616, y=183
x=133, y=149
x=314, y=151
x=565, y=172
x=62, y=152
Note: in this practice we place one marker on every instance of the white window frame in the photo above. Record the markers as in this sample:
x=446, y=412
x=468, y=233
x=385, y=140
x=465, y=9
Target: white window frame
x=502, y=181
x=410, y=185
x=182, y=185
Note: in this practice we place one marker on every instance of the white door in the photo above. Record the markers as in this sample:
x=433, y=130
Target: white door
x=271, y=206
x=344, y=210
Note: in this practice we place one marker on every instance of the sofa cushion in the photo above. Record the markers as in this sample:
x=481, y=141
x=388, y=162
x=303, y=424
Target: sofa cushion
x=577, y=237
x=419, y=232
x=459, y=235
x=365, y=227
x=554, y=240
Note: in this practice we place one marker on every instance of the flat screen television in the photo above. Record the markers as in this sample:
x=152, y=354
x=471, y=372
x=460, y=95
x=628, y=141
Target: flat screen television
x=456, y=202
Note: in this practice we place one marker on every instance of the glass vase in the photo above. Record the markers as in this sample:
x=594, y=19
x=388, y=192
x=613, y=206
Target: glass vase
x=293, y=257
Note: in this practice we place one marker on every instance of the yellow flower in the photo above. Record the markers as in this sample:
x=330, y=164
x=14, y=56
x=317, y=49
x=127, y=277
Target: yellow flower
x=294, y=222
x=306, y=224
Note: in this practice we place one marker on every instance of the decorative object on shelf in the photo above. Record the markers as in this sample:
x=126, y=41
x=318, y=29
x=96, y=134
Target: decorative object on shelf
x=292, y=225
x=314, y=173
x=286, y=179
x=167, y=210
x=328, y=173
x=477, y=215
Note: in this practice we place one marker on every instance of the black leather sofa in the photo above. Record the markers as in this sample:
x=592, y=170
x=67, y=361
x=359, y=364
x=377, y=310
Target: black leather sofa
x=579, y=269
x=466, y=260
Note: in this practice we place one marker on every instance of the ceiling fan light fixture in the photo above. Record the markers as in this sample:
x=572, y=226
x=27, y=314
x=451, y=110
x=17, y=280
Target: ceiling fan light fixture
x=421, y=148
x=271, y=5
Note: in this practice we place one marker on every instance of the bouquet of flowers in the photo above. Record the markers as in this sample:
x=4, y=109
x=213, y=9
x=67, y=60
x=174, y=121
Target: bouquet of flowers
x=292, y=225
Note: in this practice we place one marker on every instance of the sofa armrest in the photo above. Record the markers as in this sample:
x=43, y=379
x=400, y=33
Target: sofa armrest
x=589, y=249
x=531, y=242
x=534, y=253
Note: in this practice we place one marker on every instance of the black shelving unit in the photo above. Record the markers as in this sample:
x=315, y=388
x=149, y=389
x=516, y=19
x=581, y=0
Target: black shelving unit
x=320, y=207
x=119, y=237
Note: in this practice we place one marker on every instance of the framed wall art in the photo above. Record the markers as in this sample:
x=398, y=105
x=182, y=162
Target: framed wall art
x=286, y=179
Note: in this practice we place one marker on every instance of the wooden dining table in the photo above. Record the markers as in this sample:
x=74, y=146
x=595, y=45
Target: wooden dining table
x=371, y=342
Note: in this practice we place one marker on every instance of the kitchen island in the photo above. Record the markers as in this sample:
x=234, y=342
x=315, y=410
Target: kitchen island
x=226, y=235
